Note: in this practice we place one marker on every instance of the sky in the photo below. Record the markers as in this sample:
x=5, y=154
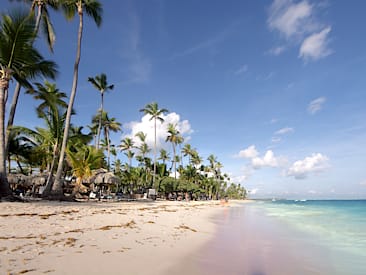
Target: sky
x=274, y=89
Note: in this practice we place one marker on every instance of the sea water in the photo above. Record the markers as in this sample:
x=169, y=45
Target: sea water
x=336, y=225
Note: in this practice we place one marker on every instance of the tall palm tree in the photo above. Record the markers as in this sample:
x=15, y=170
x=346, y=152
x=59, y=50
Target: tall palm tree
x=16, y=53
x=100, y=83
x=127, y=145
x=51, y=97
x=110, y=125
x=33, y=70
x=39, y=8
x=164, y=155
x=187, y=151
x=92, y=8
x=50, y=108
x=174, y=138
x=155, y=113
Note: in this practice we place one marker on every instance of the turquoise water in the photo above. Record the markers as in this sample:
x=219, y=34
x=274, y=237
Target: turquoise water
x=338, y=225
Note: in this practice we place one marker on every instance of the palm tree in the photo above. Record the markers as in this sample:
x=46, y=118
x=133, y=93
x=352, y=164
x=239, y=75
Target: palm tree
x=127, y=145
x=49, y=109
x=100, y=83
x=187, y=151
x=16, y=53
x=94, y=9
x=164, y=155
x=109, y=125
x=83, y=162
x=51, y=97
x=155, y=113
x=43, y=18
x=174, y=138
x=32, y=70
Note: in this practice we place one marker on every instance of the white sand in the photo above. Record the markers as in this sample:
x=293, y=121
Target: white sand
x=101, y=238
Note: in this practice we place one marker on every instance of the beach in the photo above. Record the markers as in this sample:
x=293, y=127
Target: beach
x=171, y=237
x=101, y=238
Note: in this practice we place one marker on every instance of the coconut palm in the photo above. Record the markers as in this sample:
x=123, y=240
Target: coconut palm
x=155, y=114
x=51, y=97
x=127, y=145
x=100, y=83
x=187, y=151
x=93, y=8
x=50, y=108
x=16, y=53
x=174, y=138
x=83, y=162
x=39, y=8
x=33, y=70
x=110, y=125
x=164, y=155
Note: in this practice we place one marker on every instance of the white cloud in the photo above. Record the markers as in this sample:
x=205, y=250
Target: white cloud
x=302, y=168
x=290, y=18
x=315, y=46
x=268, y=160
x=242, y=70
x=284, y=131
x=297, y=22
x=316, y=105
x=147, y=126
x=277, y=50
x=248, y=153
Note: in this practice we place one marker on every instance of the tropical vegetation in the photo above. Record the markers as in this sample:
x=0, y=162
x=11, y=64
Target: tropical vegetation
x=69, y=154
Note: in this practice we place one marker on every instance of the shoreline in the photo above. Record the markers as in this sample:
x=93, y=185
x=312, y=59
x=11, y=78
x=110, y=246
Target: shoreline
x=92, y=237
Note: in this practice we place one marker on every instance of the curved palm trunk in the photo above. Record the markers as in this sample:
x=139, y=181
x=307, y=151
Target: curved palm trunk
x=5, y=190
x=100, y=122
x=56, y=190
x=52, y=166
x=12, y=110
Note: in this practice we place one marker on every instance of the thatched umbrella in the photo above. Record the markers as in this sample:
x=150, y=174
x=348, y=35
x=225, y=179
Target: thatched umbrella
x=107, y=178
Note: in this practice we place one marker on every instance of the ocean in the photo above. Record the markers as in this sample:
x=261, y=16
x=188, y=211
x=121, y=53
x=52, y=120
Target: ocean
x=286, y=237
x=338, y=226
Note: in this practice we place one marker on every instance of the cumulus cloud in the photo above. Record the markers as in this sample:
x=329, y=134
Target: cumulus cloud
x=315, y=46
x=290, y=18
x=248, y=153
x=268, y=160
x=316, y=105
x=257, y=162
x=284, y=131
x=147, y=126
x=303, y=168
x=297, y=23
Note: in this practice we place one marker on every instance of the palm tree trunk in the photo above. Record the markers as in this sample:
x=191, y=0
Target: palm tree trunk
x=5, y=190
x=48, y=188
x=11, y=116
x=154, y=153
x=100, y=123
x=57, y=185
x=175, y=163
x=108, y=150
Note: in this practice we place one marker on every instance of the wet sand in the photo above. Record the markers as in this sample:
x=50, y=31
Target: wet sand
x=249, y=242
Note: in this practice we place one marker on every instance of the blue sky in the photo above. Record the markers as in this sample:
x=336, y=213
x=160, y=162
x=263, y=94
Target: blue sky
x=274, y=89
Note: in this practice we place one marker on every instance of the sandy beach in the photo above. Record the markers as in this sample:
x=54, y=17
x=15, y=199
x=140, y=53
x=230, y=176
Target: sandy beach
x=102, y=238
